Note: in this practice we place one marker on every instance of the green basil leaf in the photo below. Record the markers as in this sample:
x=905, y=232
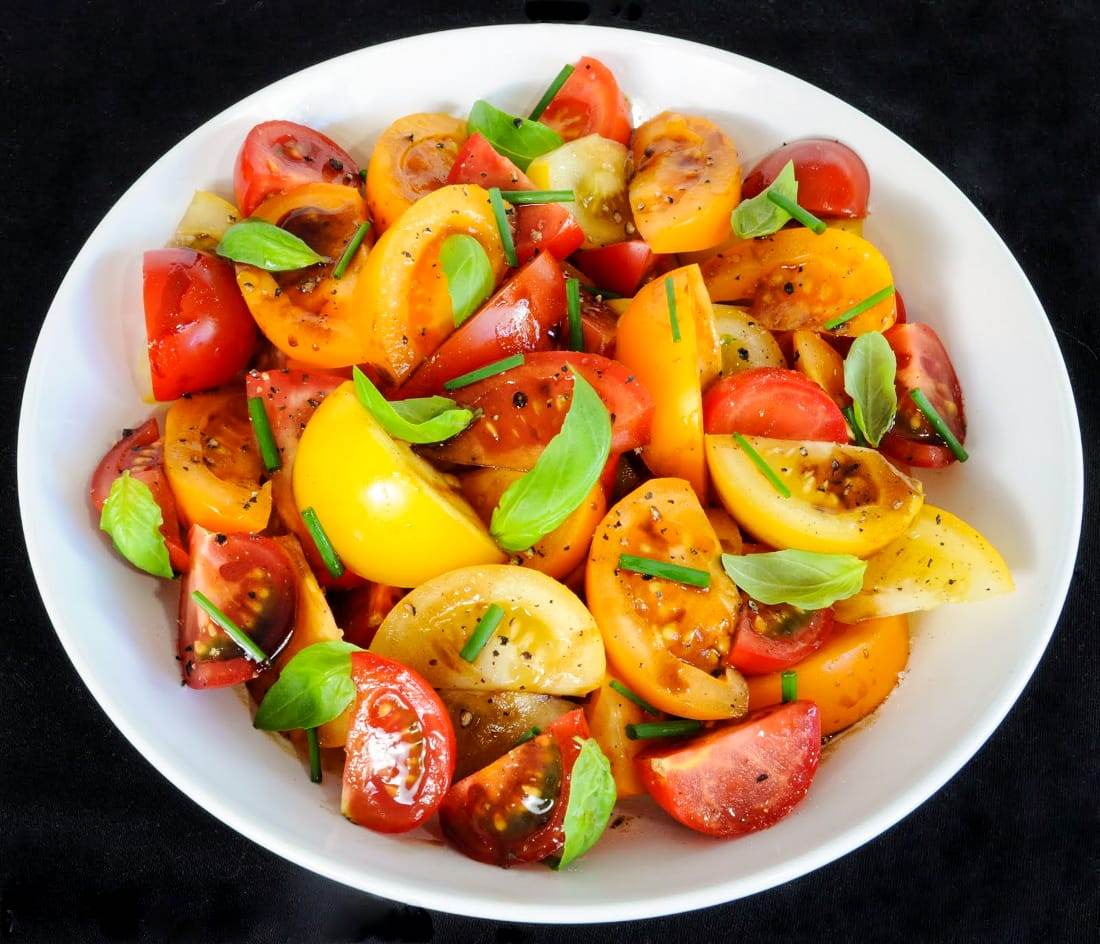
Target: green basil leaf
x=313, y=688
x=591, y=801
x=519, y=139
x=420, y=420
x=869, y=371
x=758, y=216
x=806, y=579
x=267, y=247
x=469, y=274
x=562, y=477
x=132, y=517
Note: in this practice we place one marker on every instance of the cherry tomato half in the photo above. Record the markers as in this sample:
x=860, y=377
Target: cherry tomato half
x=773, y=638
x=773, y=402
x=590, y=102
x=832, y=178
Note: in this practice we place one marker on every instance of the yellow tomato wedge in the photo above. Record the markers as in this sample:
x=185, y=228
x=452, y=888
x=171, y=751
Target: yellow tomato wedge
x=744, y=343
x=844, y=499
x=939, y=559
x=546, y=643
x=726, y=530
x=818, y=359
x=608, y=713
x=391, y=517
x=205, y=221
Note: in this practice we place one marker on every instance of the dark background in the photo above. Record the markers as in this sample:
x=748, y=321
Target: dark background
x=97, y=846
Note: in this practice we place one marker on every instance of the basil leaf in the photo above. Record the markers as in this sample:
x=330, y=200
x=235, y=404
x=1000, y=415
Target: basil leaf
x=591, y=800
x=420, y=420
x=562, y=477
x=806, y=579
x=469, y=274
x=869, y=371
x=132, y=517
x=519, y=139
x=758, y=216
x=267, y=247
x=313, y=688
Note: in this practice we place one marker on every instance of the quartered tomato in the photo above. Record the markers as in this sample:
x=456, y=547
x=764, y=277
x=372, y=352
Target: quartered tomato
x=400, y=747
x=361, y=611
x=512, y=811
x=589, y=102
x=608, y=713
x=923, y=365
x=281, y=155
x=771, y=638
x=199, y=330
x=832, y=178
x=738, y=778
x=774, y=402
x=252, y=581
x=599, y=325
x=620, y=268
x=745, y=344
x=815, y=357
x=478, y=162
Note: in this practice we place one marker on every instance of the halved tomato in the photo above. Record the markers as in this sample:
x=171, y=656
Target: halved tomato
x=774, y=402
x=590, y=102
x=773, y=638
x=832, y=178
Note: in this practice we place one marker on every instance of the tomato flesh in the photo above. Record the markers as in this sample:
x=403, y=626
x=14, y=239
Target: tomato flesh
x=773, y=402
x=360, y=611
x=770, y=638
x=832, y=178
x=620, y=267
x=590, y=102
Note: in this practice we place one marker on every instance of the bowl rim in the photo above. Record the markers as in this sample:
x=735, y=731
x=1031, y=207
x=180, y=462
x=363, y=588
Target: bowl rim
x=201, y=792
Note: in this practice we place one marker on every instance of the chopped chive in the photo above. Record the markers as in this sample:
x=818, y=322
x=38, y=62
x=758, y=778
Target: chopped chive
x=349, y=252
x=766, y=470
x=485, y=628
x=548, y=95
x=269, y=452
x=662, y=729
x=788, y=682
x=333, y=564
x=232, y=630
x=933, y=417
x=489, y=370
x=631, y=696
x=524, y=197
x=529, y=734
x=805, y=217
x=670, y=294
x=573, y=306
x=497, y=202
x=665, y=570
x=857, y=433
x=869, y=302
x=363, y=175
x=314, y=755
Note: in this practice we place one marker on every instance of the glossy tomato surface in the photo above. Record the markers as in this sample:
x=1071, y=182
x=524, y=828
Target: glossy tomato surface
x=620, y=267
x=770, y=638
x=773, y=402
x=478, y=162
x=590, y=102
x=832, y=178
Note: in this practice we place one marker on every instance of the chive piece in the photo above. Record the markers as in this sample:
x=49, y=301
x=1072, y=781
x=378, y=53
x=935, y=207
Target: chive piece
x=269, y=452
x=670, y=294
x=869, y=302
x=524, y=197
x=759, y=461
x=314, y=755
x=662, y=729
x=631, y=696
x=804, y=216
x=485, y=628
x=363, y=175
x=349, y=252
x=333, y=564
x=788, y=682
x=933, y=417
x=528, y=735
x=857, y=433
x=573, y=306
x=665, y=570
x=232, y=630
x=489, y=370
x=548, y=95
x=503, y=225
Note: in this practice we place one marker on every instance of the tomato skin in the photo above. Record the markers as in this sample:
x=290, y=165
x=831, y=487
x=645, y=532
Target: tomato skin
x=590, y=102
x=478, y=162
x=902, y=316
x=389, y=694
x=832, y=178
x=620, y=267
x=598, y=325
x=279, y=155
x=773, y=402
x=360, y=611
x=199, y=329
x=757, y=653
x=738, y=778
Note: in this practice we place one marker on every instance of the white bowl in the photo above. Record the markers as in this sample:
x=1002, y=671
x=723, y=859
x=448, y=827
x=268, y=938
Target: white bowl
x=968, y=664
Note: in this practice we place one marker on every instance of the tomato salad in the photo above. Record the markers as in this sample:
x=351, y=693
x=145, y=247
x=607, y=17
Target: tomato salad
x=541, y=461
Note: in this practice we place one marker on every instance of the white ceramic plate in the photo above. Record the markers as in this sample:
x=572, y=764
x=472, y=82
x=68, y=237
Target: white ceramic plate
x=968, y=664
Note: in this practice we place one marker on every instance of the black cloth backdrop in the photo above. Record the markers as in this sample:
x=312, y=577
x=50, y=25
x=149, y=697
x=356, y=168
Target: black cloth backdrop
x=96, y=846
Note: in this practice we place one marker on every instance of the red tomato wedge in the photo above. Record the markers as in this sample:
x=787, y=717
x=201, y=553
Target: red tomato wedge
x=359, y=612
x=770, y=638
x=923, y=364
x=200, y=332
x=253, y=582
x=478, y=162
x=773, y=402
x=598, y=323
x=620, y=267
x=512, y=811
x=280, y=155
x=524, y=408
x=590, y=102
x=141, y=453
x=740, y=777
x=832, y=178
